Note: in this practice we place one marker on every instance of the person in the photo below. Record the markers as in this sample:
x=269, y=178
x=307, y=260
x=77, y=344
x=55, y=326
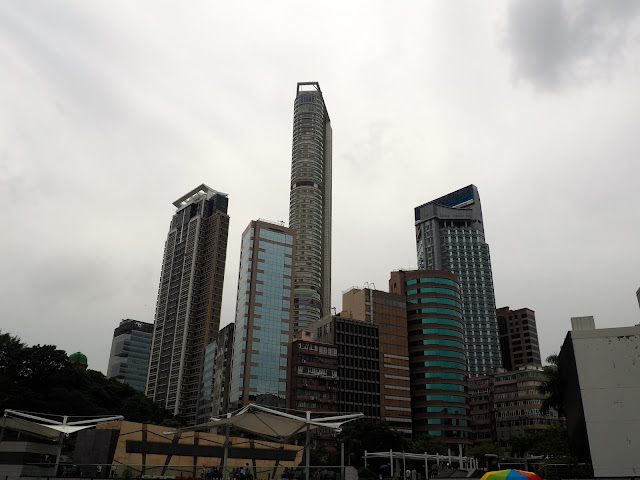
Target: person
x=113, y=473
x=414, y=474
x=407, y=474
x=99, y=471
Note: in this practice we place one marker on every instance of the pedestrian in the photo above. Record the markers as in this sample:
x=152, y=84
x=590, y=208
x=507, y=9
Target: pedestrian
x=99, y=471
x=113, y=473
x=414, y=474
x=407, y=474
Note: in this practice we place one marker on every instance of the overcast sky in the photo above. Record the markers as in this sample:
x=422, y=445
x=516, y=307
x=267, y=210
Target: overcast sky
x=110, y=111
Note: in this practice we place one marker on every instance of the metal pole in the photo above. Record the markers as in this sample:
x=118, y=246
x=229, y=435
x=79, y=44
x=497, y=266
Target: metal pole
x=365, y=459
x=460, y=464
x=391, y=466
x=404, y=465
x=342, y=460
x=225, y=475
x=426, y=465
x=306, y=444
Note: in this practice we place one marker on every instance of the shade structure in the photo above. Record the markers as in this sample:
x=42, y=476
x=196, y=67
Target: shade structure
x=274, y=423
x=510, y=475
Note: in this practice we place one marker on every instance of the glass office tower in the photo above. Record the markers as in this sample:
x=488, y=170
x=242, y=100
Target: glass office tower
x=310, y=205
x=264, y=310
x=450, y=237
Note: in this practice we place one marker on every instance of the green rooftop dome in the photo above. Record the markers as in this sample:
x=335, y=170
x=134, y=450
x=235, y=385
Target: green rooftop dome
x=78, y=358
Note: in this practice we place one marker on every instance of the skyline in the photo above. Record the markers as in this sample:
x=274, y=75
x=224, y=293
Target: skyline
x=101, y=109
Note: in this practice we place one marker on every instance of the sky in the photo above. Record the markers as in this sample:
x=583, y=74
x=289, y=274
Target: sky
x=110, y=111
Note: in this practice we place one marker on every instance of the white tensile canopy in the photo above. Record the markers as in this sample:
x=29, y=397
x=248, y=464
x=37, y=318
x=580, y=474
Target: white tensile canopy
x=274, y=424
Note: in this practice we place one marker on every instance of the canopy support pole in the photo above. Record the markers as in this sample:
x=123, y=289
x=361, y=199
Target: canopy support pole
x=225, y=475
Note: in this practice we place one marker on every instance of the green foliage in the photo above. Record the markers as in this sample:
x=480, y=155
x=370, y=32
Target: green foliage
x=552, y=387
x=553, y=442
x=429, y=444
x=41, y=379
x=364, y=472
x=373, y=436
x=479, y=451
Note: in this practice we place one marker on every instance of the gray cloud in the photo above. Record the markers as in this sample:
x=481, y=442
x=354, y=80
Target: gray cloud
x=553, y=43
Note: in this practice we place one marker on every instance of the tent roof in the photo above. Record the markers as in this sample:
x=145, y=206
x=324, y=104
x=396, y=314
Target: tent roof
x=274, y=423
x=46, y=427
x=29, y=427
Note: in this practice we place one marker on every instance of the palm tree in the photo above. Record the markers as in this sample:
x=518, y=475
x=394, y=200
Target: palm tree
x=552, y=387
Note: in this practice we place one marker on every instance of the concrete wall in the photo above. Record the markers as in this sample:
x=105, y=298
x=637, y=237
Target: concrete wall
x=608, y=366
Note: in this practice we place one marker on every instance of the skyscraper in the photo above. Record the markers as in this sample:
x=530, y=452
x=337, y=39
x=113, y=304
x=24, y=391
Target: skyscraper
x=129, y=358
x=189, y=299
x=450, y=237
x=263, y=316
x=518, y=338
x=437, y=360
x=310, y=205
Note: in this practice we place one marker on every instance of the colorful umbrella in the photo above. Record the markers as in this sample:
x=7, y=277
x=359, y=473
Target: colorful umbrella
x=510, y=475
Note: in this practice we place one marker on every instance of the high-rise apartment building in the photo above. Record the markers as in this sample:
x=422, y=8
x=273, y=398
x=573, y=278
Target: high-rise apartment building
x=264, y=308
x=437, y=360
x=310, y=205
x=450, y=237
x=189, y=299
x=518, y=338
x=389, y=312
x=129, y=358
x=222, y=371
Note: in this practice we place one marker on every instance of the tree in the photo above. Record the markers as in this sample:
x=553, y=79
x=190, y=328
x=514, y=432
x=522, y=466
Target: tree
x=552, y=441
x=552, y=387
x=373, y=436
x=41, y=379
x=426, y=443
x=479, y=451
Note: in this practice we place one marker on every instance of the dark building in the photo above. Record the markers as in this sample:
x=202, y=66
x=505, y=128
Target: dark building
x=129, y=357
x=222, y=370
x=483, y=425
x=389, y=312
x=437, y=360
x=310, y=205
x=450, y=237
x=518, y=338
x=357, y=343
x=314, y=375
x=189, y=299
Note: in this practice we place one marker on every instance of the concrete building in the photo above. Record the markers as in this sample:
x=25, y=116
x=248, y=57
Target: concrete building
x=129, y=357
x=222, y=371
x=264, y=309
x=518, y=338
x=450, y=237
x=310, y=205
x=357, y=343
x=314, y=375
x=389, y=312
x=189, y=299
x=437, y=360
x=483, y=425
x=517, y=404
x=599, y=371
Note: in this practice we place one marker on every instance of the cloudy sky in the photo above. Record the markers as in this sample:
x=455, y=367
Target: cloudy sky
x=110, y=111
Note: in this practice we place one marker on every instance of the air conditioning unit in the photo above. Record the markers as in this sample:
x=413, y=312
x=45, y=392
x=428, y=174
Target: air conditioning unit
x=312, y=398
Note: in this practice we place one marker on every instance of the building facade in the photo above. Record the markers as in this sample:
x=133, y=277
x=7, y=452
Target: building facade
x=310, y=205
x=601, y=386
x=518, y=338
x=264, y=309
x=483, y=425
x=450, y=237
x=222, y=371
x=389, y=312
x=129, y=357
x=189, y=299
x=357, y=343
x=437, y=360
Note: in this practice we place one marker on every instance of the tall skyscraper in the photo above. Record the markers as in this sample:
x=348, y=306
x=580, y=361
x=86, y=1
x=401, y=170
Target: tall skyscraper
x=263, y=316
x=450, y=237
x=129, y=358
x=518, y=338
x=189, y=299
x=310, y=205
x=437, y=360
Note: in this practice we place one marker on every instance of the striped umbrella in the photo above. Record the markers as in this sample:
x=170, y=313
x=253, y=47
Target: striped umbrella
x=510, y=475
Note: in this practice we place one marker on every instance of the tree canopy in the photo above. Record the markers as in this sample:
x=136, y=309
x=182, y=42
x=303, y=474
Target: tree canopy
x=41, y=379
x=552, y=387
